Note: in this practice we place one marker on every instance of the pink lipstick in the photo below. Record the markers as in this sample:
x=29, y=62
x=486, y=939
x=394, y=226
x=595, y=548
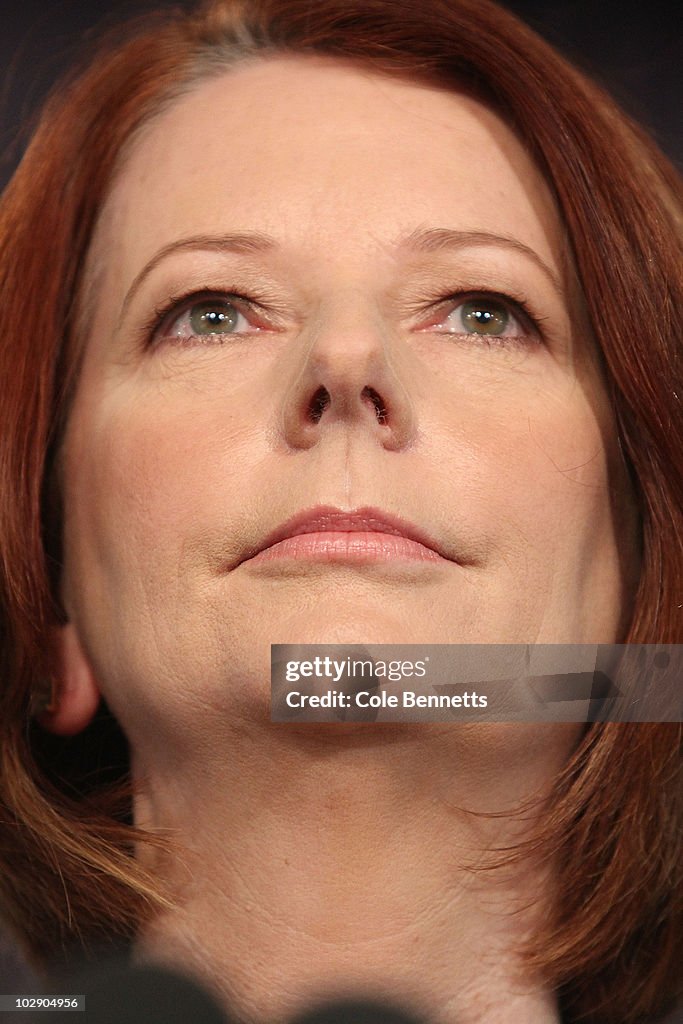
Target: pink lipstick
x=365, y=535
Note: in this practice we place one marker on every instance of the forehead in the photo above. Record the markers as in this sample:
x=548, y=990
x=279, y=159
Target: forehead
x=325, y=156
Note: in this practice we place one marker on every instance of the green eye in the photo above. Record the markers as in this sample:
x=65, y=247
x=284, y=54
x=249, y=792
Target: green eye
x=213, y=317
x=484, y=317
x=206, y=319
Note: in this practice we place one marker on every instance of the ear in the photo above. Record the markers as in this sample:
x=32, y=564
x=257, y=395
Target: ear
x=77, y=696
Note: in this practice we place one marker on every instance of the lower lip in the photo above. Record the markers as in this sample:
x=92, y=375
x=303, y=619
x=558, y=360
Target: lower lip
x=358, y=547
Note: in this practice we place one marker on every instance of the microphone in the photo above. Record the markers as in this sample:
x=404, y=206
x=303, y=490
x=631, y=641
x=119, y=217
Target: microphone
x=119, y=993
x=351, y=1011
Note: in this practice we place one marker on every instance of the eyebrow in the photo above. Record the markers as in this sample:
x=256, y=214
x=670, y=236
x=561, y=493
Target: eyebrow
x=419, y=241
x=431, y=240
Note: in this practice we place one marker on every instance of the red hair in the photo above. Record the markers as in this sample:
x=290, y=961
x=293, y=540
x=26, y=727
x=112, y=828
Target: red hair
x=614, y=824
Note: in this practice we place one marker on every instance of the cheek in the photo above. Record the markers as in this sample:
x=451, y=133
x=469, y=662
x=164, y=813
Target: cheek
x=143, y=483
x=536, y=456
x=141, y=479
x=560, y=475
x=545, y=486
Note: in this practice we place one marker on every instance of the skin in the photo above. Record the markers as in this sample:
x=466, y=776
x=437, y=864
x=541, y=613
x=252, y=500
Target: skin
x=181, y=455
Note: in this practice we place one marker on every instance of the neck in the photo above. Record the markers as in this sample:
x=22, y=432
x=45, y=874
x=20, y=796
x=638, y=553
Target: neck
x=344, y=861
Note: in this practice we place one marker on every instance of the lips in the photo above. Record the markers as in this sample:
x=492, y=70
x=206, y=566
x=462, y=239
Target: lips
x=331, y=534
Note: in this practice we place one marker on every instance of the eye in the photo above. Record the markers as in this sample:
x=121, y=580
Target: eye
x=488, y=317
x=209, y=317
x=484, y=317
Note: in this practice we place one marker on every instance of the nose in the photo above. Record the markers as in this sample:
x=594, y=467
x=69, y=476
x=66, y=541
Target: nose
x=348, y=377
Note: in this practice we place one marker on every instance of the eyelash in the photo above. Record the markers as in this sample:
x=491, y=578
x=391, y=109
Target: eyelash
x=529, y=322
x=177, y=305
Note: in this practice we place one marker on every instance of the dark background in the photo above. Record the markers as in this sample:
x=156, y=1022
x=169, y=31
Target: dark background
x=635, y=49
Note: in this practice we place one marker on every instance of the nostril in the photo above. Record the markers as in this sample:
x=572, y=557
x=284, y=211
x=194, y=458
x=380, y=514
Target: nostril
x=380, y=407
x=318, y=404
x=321, y=400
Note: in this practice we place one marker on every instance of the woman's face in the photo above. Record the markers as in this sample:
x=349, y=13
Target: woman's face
x=311, y=288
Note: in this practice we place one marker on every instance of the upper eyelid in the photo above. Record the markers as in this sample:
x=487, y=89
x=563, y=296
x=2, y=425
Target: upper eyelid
x=478, y=255
x=430, y=241
x=520, y=309
x=175, y=308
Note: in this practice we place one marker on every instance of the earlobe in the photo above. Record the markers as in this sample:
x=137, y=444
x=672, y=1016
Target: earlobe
x=76, y=696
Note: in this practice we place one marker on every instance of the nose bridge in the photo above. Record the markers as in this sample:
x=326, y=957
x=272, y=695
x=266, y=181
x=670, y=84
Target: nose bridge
x=348, y=335
x=348, y=373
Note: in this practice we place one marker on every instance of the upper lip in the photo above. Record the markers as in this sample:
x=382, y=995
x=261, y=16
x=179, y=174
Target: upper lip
x=325, y=518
